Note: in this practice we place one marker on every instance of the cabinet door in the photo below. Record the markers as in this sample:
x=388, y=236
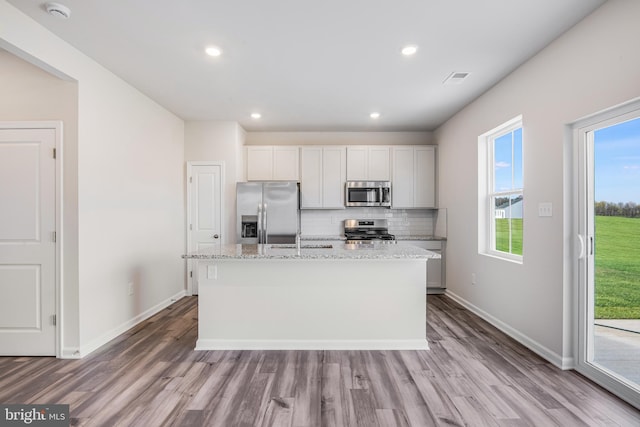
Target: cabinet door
x=334, y=168
x=402, y=190
x=379, y=164
x=435, y=270
x=285, y=164
x=425, y=177
x=259, y=163
x=357, y=163
x=311, y=176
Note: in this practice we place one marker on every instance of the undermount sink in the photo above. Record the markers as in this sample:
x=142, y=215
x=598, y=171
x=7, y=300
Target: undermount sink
x=302, y=247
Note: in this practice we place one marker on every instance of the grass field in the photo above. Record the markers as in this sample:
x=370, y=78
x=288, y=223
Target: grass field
x=617, y=263
x=502, y=235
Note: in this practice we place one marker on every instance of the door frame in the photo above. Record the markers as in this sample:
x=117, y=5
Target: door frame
x=57, y=126
x=191, y=264
x=582, y=234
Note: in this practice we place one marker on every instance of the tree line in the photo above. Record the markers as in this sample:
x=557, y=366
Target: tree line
x=628, y=210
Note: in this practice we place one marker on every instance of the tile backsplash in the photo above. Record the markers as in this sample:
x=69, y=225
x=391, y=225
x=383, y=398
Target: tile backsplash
x=402, y=222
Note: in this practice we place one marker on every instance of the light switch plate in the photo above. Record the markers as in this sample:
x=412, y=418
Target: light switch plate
x=545, y=209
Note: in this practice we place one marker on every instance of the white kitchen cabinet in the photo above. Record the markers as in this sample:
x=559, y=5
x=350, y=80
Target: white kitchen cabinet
x=414, y=179
x=403, y=179
x=273, y=163
x=425, y=177
x=334, y=176
x=368, y=163
x=285, y=164
x=436, y=282
x=259, y=163
x=323, y=175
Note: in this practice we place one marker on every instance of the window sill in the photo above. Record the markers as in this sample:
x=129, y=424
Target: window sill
x=515, y=259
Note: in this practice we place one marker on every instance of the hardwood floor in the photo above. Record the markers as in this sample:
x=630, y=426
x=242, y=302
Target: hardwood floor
x=473, y=375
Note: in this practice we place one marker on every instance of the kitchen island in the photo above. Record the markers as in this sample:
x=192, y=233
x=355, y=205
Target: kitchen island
x=333, y=297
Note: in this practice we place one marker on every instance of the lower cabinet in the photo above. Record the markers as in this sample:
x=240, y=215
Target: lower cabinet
x=436, y=283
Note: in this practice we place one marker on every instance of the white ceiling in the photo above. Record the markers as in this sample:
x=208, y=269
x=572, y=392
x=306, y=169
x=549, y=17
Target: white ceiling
x=312, y=65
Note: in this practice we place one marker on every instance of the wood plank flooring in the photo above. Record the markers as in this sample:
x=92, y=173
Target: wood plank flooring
x=473, y=376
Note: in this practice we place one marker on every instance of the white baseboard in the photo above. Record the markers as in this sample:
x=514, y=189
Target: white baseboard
x=542, y=351
x=209, y=344
x=105, y=338
x=70, y=353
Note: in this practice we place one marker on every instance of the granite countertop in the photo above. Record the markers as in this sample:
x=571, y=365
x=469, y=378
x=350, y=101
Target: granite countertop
x=338, y=251
x=326, y=238
x=398, y=237
x=415, y=237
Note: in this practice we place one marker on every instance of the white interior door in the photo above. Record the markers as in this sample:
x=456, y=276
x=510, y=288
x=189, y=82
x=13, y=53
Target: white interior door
x=205, y=212
x=27, y=242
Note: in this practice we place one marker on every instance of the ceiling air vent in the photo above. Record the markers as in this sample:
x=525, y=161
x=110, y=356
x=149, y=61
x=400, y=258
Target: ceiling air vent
x=455, y=78
x=58, y=10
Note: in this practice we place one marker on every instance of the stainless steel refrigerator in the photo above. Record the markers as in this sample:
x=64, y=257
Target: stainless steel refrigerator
x=267, y=212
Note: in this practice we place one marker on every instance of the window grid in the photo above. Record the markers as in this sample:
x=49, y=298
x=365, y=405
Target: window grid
x=506, y=198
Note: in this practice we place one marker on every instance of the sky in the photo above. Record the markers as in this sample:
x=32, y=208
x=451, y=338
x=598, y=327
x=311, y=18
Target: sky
x=508, y=161
x=617, y=163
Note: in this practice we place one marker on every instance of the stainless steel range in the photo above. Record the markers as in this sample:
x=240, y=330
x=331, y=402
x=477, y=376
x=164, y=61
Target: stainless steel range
x=367, y=231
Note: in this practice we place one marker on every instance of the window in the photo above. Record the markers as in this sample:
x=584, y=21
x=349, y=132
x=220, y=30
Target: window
x=501, y=191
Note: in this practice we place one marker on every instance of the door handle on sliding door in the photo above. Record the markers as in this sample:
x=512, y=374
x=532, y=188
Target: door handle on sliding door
x=581, y=241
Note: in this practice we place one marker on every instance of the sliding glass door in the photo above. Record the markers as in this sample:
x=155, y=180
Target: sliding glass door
x=609, y=265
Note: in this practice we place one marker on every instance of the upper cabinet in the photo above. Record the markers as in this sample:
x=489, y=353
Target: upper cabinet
x=273, y=163
x=368, y=163
x=323, y=171
x=322, y=178
x=414, y=177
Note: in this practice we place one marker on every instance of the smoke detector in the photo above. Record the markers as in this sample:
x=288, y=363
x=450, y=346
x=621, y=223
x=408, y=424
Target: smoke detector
x=58, y=10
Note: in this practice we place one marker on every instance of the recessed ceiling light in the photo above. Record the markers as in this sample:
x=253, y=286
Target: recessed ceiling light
x=58, y=10
x=409, y=50
x=256, y=115
x=213, y=51
x=374, y=115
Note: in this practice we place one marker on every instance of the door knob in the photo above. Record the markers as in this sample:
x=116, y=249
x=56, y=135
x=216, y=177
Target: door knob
x=215, y=236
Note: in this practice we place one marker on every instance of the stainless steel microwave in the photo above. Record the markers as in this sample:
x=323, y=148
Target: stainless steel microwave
x=368, y=193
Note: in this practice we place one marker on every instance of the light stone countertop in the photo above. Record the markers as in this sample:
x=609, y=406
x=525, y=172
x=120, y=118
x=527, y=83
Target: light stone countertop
x=339, y=251
x=324, y=238
x=399, y=237
x=416, y=237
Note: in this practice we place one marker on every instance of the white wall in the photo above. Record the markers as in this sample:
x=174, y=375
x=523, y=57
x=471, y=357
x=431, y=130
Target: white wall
x=339, y=138
x=29, y=93
x=219, y=141
x=593, y=66
x=130, y=215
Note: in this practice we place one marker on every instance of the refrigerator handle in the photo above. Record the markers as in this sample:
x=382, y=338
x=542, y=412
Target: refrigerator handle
x=264, y=229
x=259, y=223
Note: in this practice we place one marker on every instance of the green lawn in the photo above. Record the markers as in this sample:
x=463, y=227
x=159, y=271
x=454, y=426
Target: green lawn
x=617, y=262
x=502, y=235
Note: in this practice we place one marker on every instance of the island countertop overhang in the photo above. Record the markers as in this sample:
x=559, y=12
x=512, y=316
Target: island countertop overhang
x=336, y=252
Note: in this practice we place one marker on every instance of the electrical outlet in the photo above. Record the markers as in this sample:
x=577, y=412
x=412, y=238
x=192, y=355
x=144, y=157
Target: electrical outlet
x=130, y=288
x=212, y=272
x=473, y=278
